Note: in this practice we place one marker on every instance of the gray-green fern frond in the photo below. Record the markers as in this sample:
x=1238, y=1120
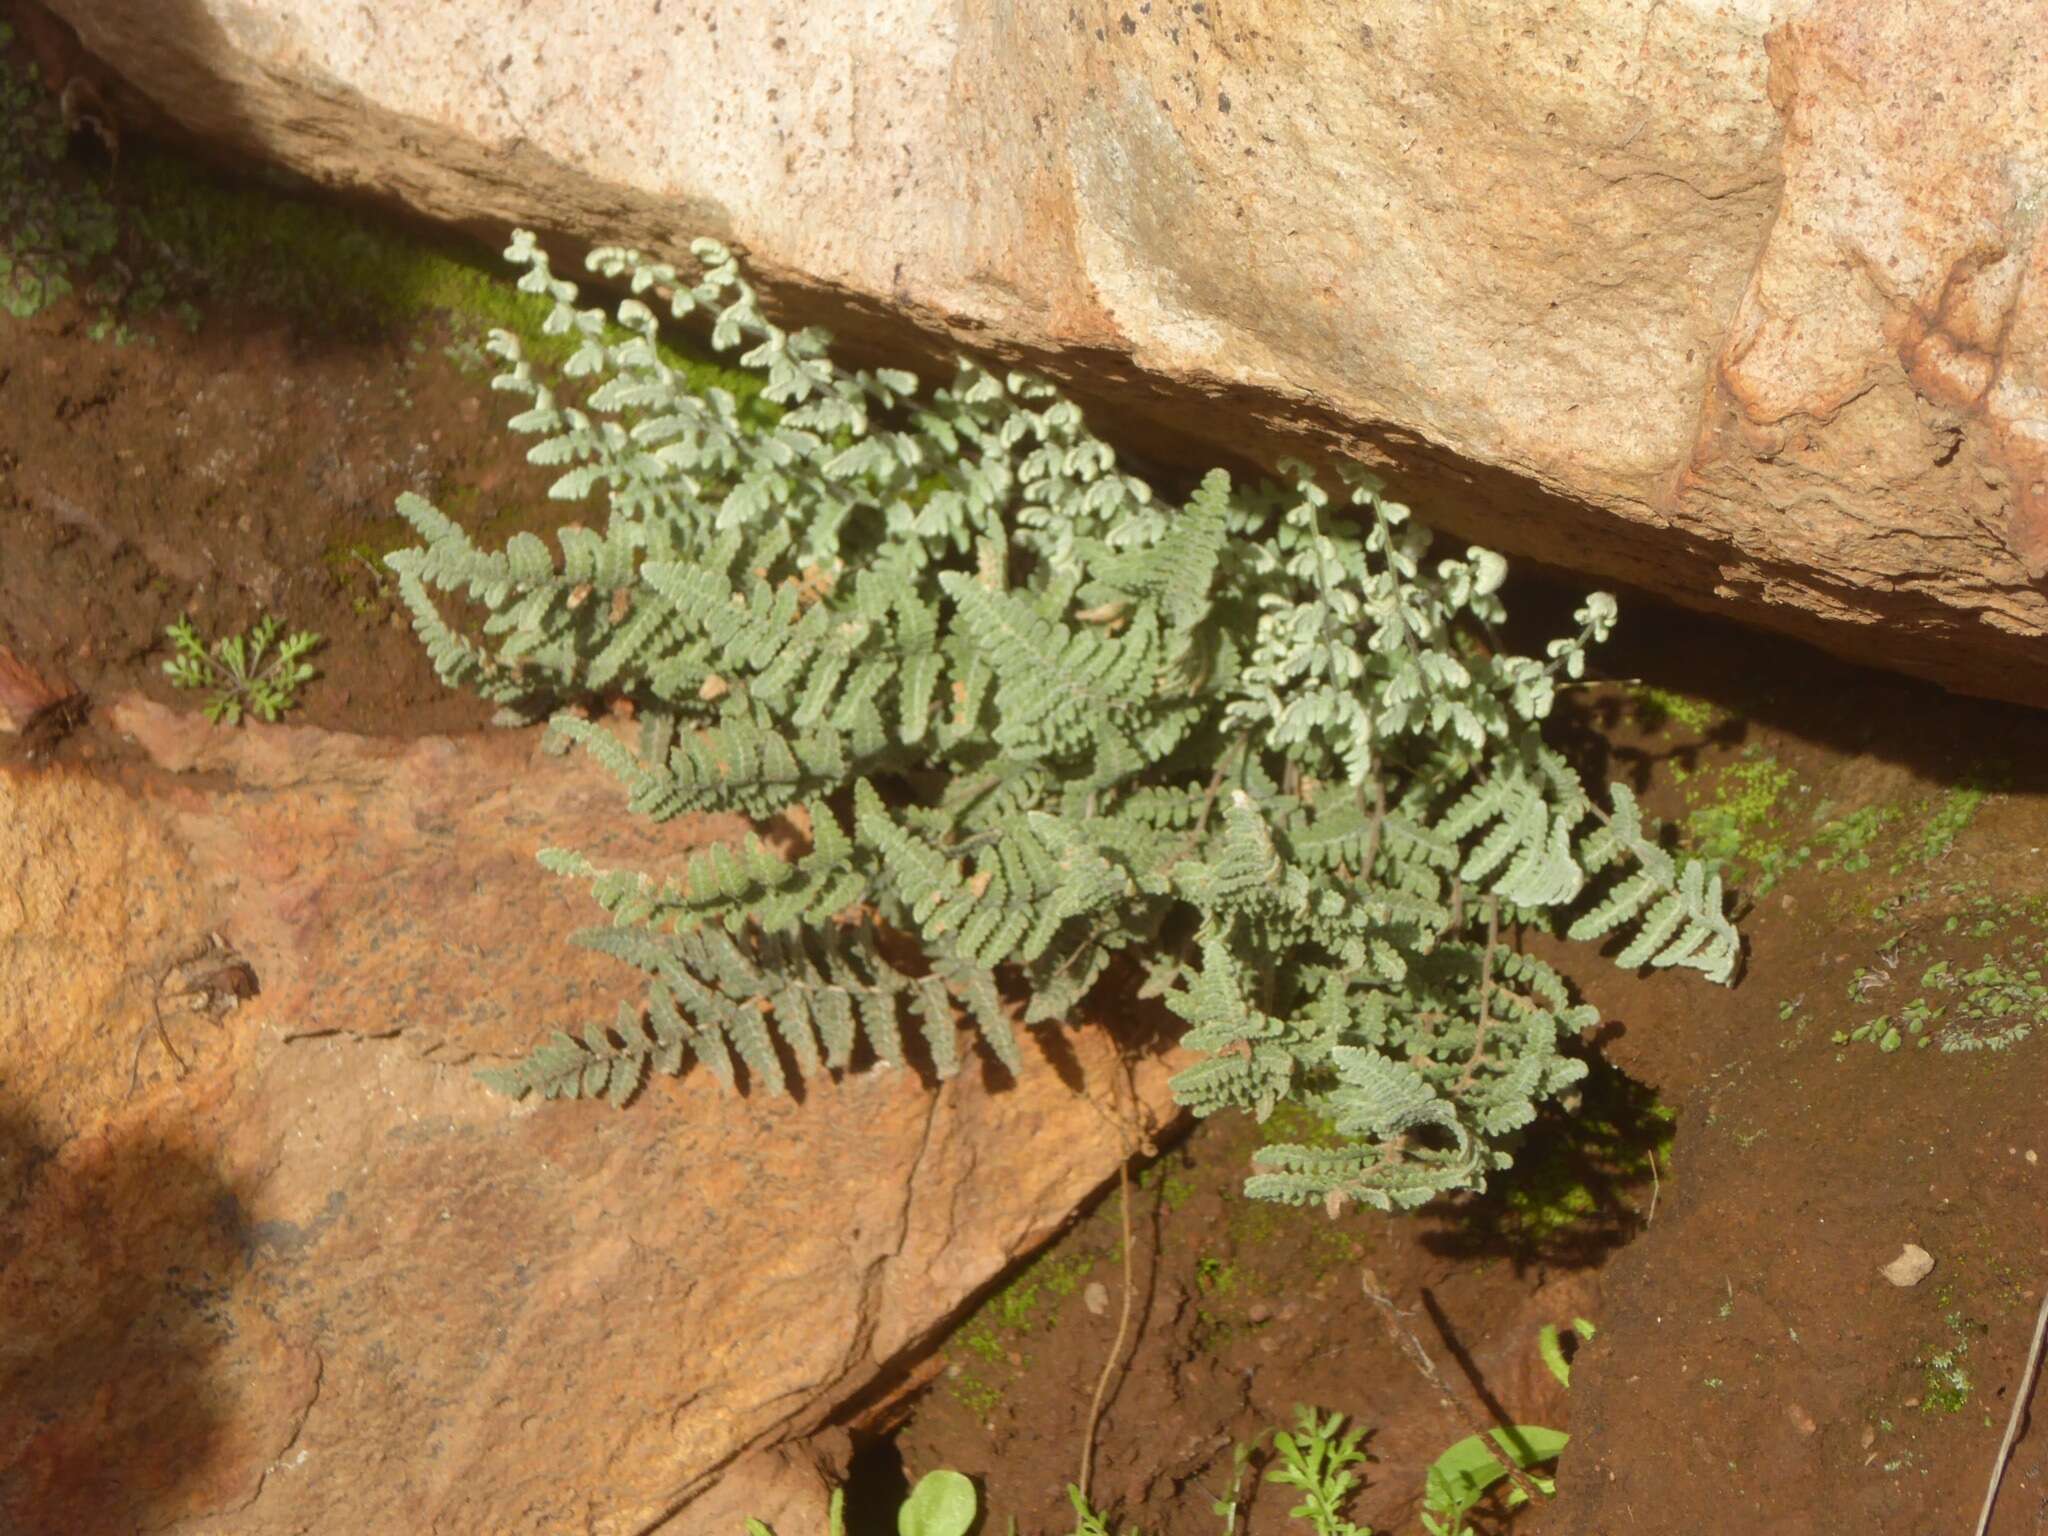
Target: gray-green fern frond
x=1013, y=714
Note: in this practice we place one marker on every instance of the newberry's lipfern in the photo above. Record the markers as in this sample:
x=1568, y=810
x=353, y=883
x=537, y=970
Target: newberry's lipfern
x=1025, y=718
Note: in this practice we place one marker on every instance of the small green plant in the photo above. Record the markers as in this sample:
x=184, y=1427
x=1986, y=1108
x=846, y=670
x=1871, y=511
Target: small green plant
x=1464, y=1474
x=1991, y=1006
x=1227, y=1506
x=1946, y=820
x=1088, y=1520
x=1035, y=721
x=1550, y=1345
x=1316, y=1461
x=1846, y=839
x=942, y=1504
x=241, y=671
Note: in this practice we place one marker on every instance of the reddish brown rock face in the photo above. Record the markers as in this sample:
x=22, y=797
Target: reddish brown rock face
x=1743, y=304
x=323, y=1280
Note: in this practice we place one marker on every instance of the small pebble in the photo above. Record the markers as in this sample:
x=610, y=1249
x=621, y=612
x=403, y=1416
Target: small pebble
x=1801, y=1419
x=1869, y=1436
x=1258, y=1312
x=1913, y=1265
x=1096, y=1297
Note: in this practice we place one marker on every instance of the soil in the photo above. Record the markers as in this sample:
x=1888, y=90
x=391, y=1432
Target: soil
x=1741, y=1164
x=1753, y=1370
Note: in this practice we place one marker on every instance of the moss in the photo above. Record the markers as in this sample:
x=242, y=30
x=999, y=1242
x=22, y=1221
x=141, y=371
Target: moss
x=1217, y=1277
x=171, y=231
x=1657, y=708
x=1946, y=1384
x=980, y=1397
x=1941, y=822
x=324, y=262
x=57, y=228
x=1846, y=840
x=1738, y=821
x=1559, y=1179
x=1024, y=1306
x=1332, y=1248
x=1174, y=1188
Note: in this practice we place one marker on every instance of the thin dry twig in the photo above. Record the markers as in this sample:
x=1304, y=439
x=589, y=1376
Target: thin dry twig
x=1135, y=1141
x=1123, y=1325
x=1405, y=1340
x=2019, y=1411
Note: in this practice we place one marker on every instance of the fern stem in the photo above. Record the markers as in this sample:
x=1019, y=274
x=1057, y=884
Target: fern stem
x=1224, y=771
x=1379, y=822
x=1485, y=994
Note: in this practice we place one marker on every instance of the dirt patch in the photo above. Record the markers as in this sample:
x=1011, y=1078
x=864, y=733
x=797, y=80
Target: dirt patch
x=1242, y=1311
x=213, y=389
x=1875, y=1079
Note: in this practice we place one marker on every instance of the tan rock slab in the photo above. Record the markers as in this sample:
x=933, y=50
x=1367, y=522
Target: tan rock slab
x=324, y=1281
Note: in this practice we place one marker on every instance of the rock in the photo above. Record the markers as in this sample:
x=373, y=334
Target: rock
x=1742, y=304
x=1913, y=1265
x=1096, y=1298
x=28, y=702
x=325, y=1281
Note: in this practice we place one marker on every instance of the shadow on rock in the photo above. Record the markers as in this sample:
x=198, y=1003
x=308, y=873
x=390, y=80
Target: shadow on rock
x=117, y=1256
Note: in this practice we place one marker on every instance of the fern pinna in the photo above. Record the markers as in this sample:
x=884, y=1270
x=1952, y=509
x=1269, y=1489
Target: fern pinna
x=1026, y=716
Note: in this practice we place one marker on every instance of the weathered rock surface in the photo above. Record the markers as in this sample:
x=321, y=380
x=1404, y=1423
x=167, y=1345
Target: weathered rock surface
x=1746, y=303
x=323, y=1281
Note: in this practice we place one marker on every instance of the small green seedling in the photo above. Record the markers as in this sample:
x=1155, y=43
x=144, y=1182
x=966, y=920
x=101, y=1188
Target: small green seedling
x=237, y=671
x=1241, y=1455
x=1317, y=1459
x=1460, y=1477
x=942, y=1504
x=1088, y=1521
x=1551, y=1348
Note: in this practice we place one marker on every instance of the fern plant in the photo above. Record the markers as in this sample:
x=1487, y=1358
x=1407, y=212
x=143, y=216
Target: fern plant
x=1036, y=727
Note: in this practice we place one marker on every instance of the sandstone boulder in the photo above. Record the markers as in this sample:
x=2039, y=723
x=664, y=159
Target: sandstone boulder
x=1744, y=303
x=321, y=1280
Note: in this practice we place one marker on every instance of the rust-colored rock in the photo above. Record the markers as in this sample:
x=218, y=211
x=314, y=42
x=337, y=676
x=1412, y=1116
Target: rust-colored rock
x=323, y=1280
x=29, y=703
x=1746, y=304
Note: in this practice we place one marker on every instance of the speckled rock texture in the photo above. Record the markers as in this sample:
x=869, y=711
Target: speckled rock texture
x=323, y=1281
x=1742, y=301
